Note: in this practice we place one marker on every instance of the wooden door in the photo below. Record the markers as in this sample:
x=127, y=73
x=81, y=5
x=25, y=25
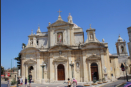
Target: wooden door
x=61, y=72
x=94, y=72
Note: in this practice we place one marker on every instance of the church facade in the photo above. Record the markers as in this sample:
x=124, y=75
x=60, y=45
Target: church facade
x=61, y=53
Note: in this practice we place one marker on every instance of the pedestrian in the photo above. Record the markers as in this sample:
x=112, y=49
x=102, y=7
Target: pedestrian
x=21, y=81
x=25, y=82
x=30, y=82
x=74, y=83
x=8, y=82
x=18, y=82
x=69, y=82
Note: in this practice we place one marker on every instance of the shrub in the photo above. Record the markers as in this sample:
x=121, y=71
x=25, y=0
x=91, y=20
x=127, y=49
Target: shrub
x=94, y=81
x=99, y=80
x=13, y=82
x=103, y=79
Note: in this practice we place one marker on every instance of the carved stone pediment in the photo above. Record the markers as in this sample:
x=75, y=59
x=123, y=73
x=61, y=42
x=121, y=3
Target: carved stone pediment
x=60, y=59
x=94, y=57
x=59, y=23
x=30, y=62
x=59, y=47
x=93, y=45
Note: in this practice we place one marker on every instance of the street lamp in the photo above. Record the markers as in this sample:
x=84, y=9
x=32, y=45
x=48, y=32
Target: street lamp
x=72, y=65
x=43, y=65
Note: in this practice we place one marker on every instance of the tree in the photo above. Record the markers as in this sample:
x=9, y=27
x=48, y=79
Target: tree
x=18, y=60
x=2, y=70
x=23, y=44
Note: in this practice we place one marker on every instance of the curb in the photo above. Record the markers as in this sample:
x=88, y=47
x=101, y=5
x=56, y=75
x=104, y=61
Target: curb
x=107, y=83
x=120, y=84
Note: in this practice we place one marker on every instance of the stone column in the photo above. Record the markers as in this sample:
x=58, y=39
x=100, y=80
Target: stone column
x=70, y=71
x=85, y=69
x=55, y=72
x=89, y=71
x=34, y=72
x=38, y=71
x=102, y=61
x=51, y=70
x=99, y=70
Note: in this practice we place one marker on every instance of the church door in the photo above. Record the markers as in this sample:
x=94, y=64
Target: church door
x=61, y=72
x=94, y=71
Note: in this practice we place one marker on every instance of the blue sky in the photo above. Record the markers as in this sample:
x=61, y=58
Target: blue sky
x=18, y=17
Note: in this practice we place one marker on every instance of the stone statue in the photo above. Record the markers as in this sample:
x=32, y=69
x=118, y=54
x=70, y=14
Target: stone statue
x=105, y=69
x=103, y=40
x=31, y=42
x=91, y=37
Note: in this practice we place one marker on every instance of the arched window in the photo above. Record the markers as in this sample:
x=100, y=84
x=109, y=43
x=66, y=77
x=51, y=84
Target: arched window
x=122, y=49
x=37, y=42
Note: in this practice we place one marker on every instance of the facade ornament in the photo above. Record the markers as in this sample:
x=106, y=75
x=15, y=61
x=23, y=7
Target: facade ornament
x=49, y=23
x=23, y=46
x=103, y=40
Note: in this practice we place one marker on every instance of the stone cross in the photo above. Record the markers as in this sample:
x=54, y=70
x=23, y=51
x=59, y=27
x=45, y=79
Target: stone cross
x=90, y=26
x=59, y=11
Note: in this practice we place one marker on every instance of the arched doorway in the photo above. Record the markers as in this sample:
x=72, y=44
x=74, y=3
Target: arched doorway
x=30, y=72
x=61, y=72
x=94, y=71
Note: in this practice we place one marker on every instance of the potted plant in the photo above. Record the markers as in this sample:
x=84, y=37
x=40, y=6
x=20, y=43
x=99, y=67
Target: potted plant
x=100, y=82
x=13, y=83
x=103, y=80
x=94, y=82
x=86, y=84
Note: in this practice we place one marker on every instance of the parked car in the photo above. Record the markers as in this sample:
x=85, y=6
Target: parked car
x=128, y=84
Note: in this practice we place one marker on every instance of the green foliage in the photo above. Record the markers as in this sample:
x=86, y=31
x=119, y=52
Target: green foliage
x=13, y=82
x=23, y=45
x=94, y=81
x=2, y=70
x=103, y=79
x=99, y=80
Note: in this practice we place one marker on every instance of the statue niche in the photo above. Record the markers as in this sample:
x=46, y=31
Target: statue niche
x=59, y=37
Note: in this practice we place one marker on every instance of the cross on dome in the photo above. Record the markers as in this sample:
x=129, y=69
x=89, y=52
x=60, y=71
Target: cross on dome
x=59, y=11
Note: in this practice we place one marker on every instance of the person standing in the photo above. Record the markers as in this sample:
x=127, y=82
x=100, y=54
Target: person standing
x=25, y=82
x=21, y=81
x=69, y=82
x=8, y=82
x=74, y=83
x=30, y=82
x=18, y=82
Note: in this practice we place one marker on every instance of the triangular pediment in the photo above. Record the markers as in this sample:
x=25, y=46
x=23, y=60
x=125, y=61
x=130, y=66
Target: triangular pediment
x=94, y=57
x=60, y=59
x=29, y=62
x=59, y=23
x=59, y=47
x=93, y=45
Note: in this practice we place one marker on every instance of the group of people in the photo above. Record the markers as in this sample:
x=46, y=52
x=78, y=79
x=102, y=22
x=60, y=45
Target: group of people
x=20, y=82
x=74, y=82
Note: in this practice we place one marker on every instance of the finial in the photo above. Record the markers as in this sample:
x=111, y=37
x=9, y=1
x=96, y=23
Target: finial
x=90, y=26
x=59, y=12
x=49, y=23
x=69, y=13
x=103, y=40
x=31, y=32
x=119, y=35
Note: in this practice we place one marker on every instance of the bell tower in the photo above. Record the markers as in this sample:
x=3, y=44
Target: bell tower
x=121, y=47
x=91, y=35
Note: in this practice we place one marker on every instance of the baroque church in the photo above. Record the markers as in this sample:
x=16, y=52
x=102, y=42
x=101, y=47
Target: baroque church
x=61, y=53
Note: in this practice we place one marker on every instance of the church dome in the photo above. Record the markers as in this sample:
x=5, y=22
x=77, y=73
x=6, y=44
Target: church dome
x=120, y=39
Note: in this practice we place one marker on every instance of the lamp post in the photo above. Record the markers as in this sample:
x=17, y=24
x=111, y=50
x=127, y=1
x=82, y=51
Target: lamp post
x=72, y=65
